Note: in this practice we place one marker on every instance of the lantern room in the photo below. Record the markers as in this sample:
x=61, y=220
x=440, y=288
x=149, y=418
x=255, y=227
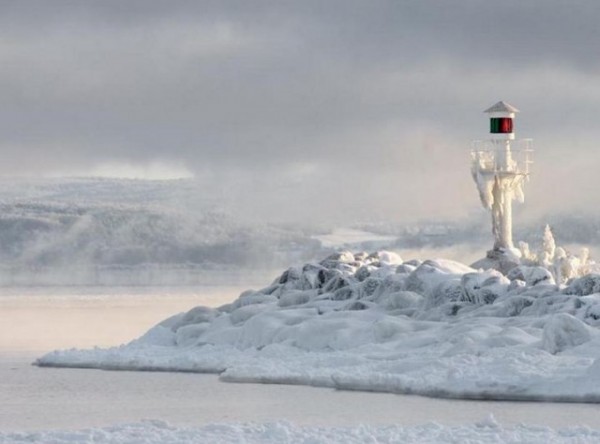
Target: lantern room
x=501, y=120
x=501, y=125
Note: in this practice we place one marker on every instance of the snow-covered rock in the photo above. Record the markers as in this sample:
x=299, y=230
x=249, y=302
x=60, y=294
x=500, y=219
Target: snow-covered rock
x=531, y=275
x=584, y=285
x=564, y=331
x=483, y=287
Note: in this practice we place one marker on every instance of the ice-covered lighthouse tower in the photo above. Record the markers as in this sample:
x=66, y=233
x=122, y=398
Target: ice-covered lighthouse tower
x=500, y=167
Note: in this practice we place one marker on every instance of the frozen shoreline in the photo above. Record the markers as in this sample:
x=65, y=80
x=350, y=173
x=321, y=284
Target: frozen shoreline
x=37, y=400
x=41, y=399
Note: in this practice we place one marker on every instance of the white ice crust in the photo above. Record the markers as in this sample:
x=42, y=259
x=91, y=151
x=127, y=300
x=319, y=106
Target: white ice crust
x=376, y=323
x=159, y=432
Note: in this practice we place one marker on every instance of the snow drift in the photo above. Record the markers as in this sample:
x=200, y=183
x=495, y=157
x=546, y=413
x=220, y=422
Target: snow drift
x=375, y=322
x=486, y=431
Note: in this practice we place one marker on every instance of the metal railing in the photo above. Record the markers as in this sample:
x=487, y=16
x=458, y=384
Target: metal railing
x=490, y=156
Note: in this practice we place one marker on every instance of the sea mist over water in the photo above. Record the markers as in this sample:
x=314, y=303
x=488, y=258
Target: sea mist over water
x=182, y=232
x=130, y=232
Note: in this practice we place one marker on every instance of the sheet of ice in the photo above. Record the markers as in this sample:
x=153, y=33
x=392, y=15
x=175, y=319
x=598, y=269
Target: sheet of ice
x=351, y=237
x=376, y=323
x=149, y=432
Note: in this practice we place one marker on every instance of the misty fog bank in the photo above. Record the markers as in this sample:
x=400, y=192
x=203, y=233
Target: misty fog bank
x=178, y=232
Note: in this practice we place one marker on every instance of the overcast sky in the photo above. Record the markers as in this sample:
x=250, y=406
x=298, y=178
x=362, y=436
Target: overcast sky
x=338, y=107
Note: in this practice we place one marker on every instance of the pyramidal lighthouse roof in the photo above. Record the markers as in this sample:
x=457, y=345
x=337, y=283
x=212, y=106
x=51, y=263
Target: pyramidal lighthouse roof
x=502, y=107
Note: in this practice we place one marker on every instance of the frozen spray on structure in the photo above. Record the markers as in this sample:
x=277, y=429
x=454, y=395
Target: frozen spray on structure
x=500, y=166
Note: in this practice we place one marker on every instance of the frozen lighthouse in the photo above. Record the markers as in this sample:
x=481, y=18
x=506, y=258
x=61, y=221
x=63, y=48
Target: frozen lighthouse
x=500, y=167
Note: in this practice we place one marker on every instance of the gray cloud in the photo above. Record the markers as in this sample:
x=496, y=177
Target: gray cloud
x=370, y=105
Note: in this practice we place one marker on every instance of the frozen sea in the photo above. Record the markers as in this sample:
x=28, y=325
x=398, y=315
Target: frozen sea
x=36, y=320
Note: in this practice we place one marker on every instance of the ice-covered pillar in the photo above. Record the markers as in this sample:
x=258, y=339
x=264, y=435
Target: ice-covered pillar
x=502, y=215
x=498, y=175
x=501, y=131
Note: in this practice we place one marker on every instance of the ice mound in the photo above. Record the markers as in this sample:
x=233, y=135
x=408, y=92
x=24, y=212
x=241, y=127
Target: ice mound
x=563, y=331
x=550, y=263
x=374, y=322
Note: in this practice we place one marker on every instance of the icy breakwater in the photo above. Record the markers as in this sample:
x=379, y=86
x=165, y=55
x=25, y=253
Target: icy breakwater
x=374, y=322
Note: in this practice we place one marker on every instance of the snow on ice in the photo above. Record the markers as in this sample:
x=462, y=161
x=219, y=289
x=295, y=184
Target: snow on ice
x=378, y=323
x=486, y=431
